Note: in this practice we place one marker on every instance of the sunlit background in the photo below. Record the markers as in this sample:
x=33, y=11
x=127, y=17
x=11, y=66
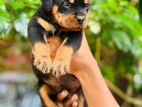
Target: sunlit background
x=114, y=34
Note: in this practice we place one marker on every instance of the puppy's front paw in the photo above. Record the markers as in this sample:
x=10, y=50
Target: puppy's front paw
x=43, y=64
x=60, y=67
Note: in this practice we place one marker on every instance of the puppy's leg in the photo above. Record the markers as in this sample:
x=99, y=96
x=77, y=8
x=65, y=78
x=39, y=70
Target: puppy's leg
x=37, y=30
x=81, y=101
x=63, y=56
x=43, y=93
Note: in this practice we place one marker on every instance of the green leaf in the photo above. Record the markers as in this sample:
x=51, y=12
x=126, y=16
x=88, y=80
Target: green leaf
x=1, y=2
x=122, y=40
x=18, y=5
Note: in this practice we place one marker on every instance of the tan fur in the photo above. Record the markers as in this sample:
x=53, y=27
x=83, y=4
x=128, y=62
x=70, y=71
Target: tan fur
x=86, y=1
x=69, y=21
x=40, y=47
x=44, y=91
x=47, y=26
x=54, y=43
x=71, y=1
x=81, y=102
x=62, y=59
x=41, y=52
x=64, y=52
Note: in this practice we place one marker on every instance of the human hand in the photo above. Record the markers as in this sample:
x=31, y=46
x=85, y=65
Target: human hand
x=72, y=102
x=82, y=58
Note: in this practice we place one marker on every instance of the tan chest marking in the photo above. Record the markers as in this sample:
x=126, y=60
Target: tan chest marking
x=64, y=52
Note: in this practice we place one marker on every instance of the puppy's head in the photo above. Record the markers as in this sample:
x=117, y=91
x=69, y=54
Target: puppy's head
x=70, y=14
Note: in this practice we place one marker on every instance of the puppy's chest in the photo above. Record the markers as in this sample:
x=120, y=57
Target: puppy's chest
x=67, y=81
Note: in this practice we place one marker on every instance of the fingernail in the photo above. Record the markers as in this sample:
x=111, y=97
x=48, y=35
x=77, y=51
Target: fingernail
x=75, y=97
x=65, y=92
x=74, y=104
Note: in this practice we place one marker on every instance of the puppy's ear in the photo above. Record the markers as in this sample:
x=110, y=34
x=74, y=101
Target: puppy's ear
x=48, y=4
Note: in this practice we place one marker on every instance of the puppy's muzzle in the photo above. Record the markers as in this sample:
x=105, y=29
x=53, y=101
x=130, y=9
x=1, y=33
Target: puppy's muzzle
x=80, y=18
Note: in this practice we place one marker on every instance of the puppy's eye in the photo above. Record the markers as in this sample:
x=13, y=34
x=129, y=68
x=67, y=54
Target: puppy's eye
x=87, y=6
x=66, y=4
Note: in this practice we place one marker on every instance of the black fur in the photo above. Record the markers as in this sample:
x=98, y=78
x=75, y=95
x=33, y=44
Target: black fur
x=47, y=4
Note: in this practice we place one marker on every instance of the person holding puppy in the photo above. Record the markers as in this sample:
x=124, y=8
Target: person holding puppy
x=65, y=20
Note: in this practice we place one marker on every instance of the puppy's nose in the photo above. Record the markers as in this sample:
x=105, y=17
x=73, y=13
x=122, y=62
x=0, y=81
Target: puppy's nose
x=80, y=18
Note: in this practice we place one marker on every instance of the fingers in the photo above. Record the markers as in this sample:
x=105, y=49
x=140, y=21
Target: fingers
x=72, y=102
x=61, y=96
x=75, y=104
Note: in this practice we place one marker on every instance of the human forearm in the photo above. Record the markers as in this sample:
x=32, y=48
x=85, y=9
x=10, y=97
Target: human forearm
x=94, y=87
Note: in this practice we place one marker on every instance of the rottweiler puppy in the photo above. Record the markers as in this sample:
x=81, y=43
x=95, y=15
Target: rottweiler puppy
x=65, y=20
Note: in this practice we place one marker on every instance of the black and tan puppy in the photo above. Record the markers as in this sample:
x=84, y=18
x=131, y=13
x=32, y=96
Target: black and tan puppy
x=64, y=19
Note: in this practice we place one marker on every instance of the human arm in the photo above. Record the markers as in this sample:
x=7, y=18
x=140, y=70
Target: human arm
x=85, y=68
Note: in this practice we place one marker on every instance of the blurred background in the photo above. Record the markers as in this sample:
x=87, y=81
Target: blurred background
x=114, y=34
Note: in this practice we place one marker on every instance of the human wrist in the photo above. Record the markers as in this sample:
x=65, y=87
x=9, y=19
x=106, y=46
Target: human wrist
x=88, y=67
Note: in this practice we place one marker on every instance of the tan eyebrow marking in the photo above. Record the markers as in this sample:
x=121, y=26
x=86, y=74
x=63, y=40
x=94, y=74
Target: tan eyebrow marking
x=71, y=1
x=86, y=1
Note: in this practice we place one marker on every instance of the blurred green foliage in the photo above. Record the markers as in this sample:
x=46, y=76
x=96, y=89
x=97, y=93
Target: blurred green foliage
x=120, y=25
x=15, y=15
x=120, y=31
x=114, y=35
